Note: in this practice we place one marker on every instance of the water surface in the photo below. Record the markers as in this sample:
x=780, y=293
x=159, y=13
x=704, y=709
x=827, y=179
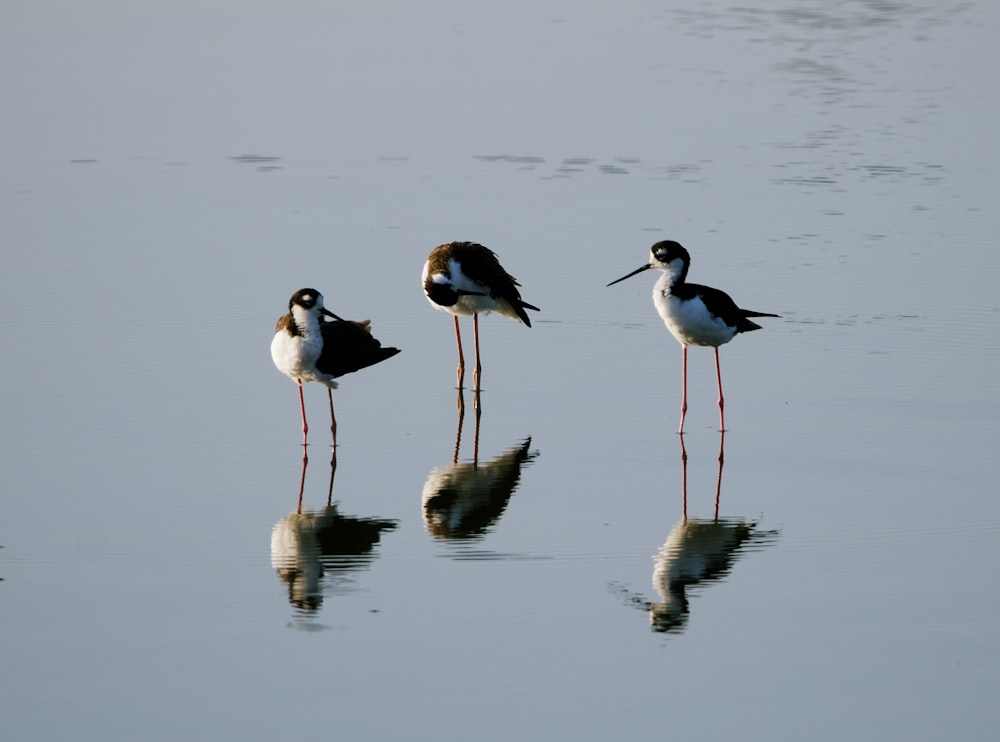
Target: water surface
x=559, y=567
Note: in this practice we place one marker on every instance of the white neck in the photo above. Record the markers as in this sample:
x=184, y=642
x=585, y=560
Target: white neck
x=305, y=319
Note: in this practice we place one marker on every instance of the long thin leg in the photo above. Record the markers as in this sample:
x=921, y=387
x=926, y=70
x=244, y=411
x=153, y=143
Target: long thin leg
x=718, y=376
x=333, y=419
x=684, y=386
x=479, y=366
x=461, y=358
x=302, y=406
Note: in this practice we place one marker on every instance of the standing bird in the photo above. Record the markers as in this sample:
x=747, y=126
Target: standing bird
x=464, y=278
x=694, y=314
x=308, y=348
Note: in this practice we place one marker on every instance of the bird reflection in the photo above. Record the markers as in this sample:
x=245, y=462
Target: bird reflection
x=308, y=545
x=697, y=551
x=465, y=498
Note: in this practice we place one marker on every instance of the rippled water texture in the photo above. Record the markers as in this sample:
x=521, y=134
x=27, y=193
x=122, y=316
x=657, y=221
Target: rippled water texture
x=548, y=560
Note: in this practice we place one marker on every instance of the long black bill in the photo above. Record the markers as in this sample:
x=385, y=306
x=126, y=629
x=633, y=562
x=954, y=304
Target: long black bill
x=633, y=273
x=463, y=292
x=328, y=313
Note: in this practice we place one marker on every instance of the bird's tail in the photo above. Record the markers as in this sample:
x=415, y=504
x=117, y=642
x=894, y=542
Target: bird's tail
x=520, y=306
x=745, y=325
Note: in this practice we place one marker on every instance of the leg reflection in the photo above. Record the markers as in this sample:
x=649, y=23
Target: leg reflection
x=718, y=481
x=478, y=410
x=333, y=470
x=302, y=480
x=684, y=480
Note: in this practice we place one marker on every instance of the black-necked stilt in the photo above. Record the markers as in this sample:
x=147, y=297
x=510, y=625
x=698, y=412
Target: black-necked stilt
x=308, y=348
x=694, y=314
x=464, y=278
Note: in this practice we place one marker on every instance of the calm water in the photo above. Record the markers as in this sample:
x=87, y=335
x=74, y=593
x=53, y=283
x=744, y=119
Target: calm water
x=557, y=567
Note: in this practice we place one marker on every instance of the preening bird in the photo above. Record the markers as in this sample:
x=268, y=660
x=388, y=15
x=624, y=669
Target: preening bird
x=306, y=347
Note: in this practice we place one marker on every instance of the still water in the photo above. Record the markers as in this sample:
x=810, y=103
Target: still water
x=550, y=561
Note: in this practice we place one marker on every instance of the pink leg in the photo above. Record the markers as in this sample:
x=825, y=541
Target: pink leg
x=479, y=366
x=461, y=359
x=333, y=420
x=684, y=386
x=718, y=377
x=302, y=406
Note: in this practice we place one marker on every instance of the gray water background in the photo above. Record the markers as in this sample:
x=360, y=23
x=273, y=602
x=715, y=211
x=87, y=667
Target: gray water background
x=172, y=173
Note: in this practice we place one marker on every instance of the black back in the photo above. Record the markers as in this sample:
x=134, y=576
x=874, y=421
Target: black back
x=481, y=265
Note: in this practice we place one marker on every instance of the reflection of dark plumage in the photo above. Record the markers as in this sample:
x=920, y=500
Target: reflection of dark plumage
x=306, y=545
x=462, y=500
x=695, y=552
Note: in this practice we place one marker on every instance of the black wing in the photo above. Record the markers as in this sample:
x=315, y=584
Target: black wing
x=349, y=346
x=721, y=304
x=483, y=267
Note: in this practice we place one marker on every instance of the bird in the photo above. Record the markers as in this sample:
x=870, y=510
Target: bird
x=306, y=347
x=694, y=314
x=464, y=278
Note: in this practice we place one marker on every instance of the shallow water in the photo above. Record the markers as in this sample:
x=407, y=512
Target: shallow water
x=171, y=569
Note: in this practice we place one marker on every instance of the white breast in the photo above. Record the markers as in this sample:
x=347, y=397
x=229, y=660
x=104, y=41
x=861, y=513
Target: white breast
x=296, y=356
x=690, y=321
